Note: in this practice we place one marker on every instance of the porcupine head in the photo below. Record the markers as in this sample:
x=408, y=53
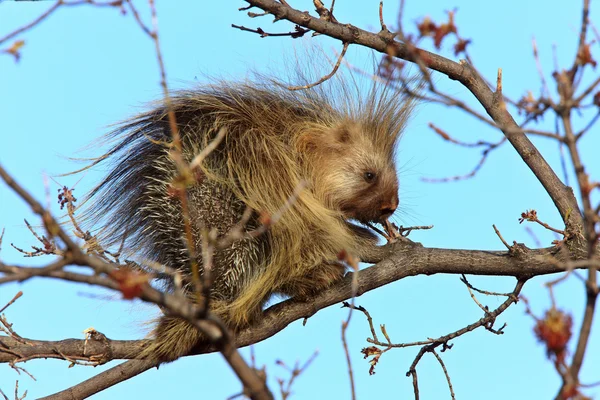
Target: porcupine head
x=338, y=145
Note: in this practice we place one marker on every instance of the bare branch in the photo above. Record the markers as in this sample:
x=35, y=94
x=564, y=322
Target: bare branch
x=15, y=298
x=414, y=260
x=445, y=373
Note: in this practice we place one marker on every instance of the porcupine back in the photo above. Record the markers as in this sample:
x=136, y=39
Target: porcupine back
x=267, y=151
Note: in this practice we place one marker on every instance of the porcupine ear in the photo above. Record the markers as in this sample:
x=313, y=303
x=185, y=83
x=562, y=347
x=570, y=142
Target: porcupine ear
x=335, y=139
x=342, y=135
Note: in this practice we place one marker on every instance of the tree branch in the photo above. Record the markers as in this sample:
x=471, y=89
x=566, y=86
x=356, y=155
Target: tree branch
x=397, y=262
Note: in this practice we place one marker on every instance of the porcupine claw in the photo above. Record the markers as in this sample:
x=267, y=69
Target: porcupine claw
x=391, y=230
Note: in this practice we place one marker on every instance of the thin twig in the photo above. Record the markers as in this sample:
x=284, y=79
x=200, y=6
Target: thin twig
x=540, y=70
x=500, y=236
x=15, y=298
x=383, y=25
x=445, y=373
x=588, y=126
x=326, y=77
x=481, y=306
x=197, y=161
x=352, y=262
x=299, y=32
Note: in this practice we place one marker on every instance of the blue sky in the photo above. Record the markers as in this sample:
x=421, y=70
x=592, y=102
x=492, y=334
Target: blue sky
x=86, y=68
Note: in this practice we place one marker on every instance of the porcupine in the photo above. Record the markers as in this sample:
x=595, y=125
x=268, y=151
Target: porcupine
x=343, y=148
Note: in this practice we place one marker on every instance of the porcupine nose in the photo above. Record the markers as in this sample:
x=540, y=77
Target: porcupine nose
x=388, y=208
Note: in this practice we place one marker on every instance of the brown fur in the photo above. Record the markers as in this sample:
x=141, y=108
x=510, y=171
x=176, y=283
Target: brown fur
x=343, y=147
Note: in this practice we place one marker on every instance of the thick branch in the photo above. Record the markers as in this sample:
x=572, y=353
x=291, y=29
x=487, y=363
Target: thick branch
x=90, y=387
x=397, y=262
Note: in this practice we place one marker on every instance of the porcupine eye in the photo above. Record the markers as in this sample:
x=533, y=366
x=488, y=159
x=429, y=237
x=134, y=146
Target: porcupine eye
x=369, y=176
